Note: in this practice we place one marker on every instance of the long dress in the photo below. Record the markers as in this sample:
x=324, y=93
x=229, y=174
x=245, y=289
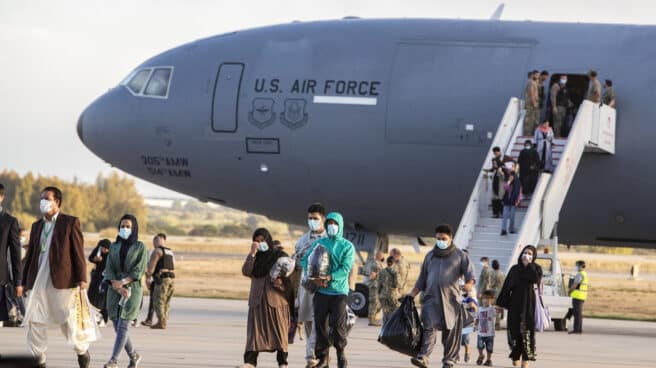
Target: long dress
x=544, y=141
x=518, y=296
x=268, y=314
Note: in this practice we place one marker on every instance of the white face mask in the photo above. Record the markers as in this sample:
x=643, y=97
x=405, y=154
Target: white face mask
x=314, y=225
x=263, y=246
x=483, y=264
x=332, y=230
x=527, y=257
x=563, y=82
x=23, y=240
x=45, y=206
x=442, y=244
x=125, y=233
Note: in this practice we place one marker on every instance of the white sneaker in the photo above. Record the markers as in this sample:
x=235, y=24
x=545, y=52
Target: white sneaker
x=311, y=363
x=282, y=366
x=246, y=365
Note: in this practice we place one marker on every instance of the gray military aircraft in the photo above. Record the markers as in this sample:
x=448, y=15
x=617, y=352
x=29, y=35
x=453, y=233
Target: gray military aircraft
x=387, y=121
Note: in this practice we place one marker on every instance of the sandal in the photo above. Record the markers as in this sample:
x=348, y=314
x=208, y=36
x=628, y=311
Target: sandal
x=479, y=361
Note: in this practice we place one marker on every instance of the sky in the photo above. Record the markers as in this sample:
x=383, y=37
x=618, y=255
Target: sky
x=56, y=57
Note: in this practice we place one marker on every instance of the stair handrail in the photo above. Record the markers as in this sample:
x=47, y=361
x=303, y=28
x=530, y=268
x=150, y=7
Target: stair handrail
x=519, y=128
x=578, y=138
x=501, y=139
x=530, y=229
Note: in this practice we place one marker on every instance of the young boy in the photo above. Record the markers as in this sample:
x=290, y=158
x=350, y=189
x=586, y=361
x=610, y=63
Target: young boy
x=470, y=303
x=486, y=321
x=388, y=289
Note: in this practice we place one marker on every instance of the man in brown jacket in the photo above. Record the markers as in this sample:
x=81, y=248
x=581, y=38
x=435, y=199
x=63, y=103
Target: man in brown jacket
x=55, y=269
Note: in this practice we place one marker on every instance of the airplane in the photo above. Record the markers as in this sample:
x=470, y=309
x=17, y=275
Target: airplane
x=386, y=120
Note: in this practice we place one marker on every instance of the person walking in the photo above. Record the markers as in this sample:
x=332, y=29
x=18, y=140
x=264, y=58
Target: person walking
x=11, y=266
x=497, y=282
x=372, y=269
x=388, y=287
x=97, y=292
x=316, y=215
x=268, y=307
x=579, y=293
x=498, y=177
x=544, y=137
x=402, y=268
x=55, y=269
x=330, y=300
x=529, y=167
x=126, y=266
x=161, y=272
x=442, y=310
x=511, y=200
x=518, y=296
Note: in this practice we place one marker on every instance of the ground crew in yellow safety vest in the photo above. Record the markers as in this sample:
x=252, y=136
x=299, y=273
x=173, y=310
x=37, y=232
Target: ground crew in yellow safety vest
x=578, y=290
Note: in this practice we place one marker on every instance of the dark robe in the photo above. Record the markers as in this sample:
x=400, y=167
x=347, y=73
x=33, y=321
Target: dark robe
x=517, y=295
x=529, y=168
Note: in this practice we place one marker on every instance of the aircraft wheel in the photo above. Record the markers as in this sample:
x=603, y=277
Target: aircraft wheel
x=358, y=300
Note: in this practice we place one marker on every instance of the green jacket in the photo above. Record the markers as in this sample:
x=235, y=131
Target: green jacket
x=135, y=267
x=342, y=255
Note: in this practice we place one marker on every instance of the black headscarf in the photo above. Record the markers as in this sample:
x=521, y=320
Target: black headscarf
x=264, y=261
x=132, y=239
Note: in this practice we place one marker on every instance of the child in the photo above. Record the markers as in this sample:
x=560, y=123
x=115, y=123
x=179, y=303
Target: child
x=470, y=303
x=486, y=321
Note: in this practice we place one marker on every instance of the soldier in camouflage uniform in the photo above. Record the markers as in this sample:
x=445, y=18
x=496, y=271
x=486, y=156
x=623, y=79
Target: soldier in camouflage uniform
x=531, y=103
x=160, y=271
x=371, y=271
x=402, y=268
x=388, y=289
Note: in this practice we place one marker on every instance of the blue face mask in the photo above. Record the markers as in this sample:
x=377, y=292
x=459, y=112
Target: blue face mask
x=125, y=233
x=263, y=246
x=332, y=230
x=314, y=225
x=442, y=244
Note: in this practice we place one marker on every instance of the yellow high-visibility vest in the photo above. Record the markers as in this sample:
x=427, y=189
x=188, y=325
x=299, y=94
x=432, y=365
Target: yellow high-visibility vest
x=582, y=292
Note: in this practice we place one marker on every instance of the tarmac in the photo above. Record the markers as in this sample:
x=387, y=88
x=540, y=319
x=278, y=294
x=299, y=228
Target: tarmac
x=212, y=333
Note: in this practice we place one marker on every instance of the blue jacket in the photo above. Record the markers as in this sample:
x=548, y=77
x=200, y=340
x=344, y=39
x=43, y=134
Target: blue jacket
x=342, y=255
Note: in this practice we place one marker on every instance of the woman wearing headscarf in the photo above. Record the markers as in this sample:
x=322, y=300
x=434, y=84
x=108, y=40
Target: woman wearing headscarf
x=96, y=292
x=518, y=297
x=268, y=305
x=544, y=137
x=126, y=265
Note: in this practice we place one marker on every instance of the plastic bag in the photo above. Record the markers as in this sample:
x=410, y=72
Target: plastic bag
x=319, y=262
x=542, y=317
x=283, y=267
x=403, y=331
x=351, y=319
x=83, y=327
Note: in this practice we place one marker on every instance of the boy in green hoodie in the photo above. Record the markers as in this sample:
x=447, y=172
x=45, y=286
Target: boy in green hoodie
x=330, y=300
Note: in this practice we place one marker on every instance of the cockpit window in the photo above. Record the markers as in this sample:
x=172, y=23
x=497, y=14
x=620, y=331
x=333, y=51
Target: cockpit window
x=158, y=85
x=138, y=81
x=153, y=81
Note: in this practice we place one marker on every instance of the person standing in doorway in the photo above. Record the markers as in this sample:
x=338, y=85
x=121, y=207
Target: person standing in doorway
x=531, y=102
x=560, y=103
x=594, y=88
x=579, y=293
x=608, y=97
x=316, y=215
x=371, y=270
x=54, y=271
x=442, y=311
x=542, y=79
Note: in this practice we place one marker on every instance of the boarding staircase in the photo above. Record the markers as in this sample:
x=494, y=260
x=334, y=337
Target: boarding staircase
x=536, y=219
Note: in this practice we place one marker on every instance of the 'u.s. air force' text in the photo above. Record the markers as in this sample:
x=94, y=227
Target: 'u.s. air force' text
x=338, y=87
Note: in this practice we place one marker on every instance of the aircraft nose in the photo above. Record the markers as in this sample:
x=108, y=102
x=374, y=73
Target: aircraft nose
x=80, y=127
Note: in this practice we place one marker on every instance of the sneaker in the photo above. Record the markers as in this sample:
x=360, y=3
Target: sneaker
x=282, y=366
x=323, y=362
x=84, y=360
x=246, y=365
x=311, y=363
x=147, y=323
x=504, y=233
x=134, y=360
x=111, y=364
x=419, y=362
x=480, y=360
x=134, y=324
x=102, y=323
x=488, y=363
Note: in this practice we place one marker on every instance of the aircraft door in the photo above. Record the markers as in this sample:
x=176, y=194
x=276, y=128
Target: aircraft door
x=225, y=103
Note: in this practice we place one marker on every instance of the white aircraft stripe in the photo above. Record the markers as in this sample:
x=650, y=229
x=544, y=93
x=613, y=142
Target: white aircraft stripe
x=342, y=100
